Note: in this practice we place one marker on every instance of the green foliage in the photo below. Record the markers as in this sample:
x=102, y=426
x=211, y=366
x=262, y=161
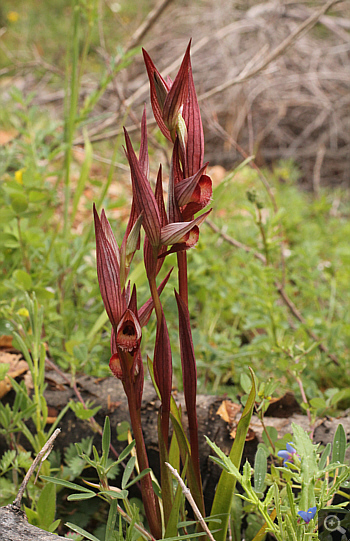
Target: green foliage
x=314, y=484
x=226, y=487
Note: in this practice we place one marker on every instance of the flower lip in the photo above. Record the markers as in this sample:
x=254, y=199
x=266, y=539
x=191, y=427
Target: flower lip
x=128, y=335
x=308, y=515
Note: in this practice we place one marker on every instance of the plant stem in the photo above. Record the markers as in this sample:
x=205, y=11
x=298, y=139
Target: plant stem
x=23, y=250
x=148, y=496
x=41, y=456
x=71, y=112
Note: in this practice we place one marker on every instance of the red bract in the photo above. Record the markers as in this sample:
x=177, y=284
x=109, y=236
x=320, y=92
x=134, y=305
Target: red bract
x=144, y=199
x=195, y=138
x=199, y=198
x=163, y=370
x=168, y=98
x=176, y=232
x=189, y=371
x=108, y=272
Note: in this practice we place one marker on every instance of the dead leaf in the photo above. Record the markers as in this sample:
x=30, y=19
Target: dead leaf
x=5, y=341
x=17, y=367
x=228, y=411
x=7, y=135
x=249, y=437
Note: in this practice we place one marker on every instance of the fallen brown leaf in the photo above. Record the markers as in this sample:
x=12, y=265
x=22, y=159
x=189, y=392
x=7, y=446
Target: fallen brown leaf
x=7, y=135
x=228, y=411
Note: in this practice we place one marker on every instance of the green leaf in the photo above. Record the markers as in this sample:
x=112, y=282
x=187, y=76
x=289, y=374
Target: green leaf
x=46, y=506
x=172, y=524
x=138, y=477
x=7, y=459
x=84, y=174
x=269, y=432
x=54, y=526
x=106, y=440
x=340, y=395
x=245, y=382
x=6, y=215
x=19, y=202
x=187, y=536
x=324, y=456
x=126, y=452
x=4, y=368
x=81, y=496
x=79, y=530
x=83, y=413
x=308, y=468
x=225, y=489
x=129, y=468
x=22, y=279
x=8, y=240
x=112, y=516
x=123, y=430
x=185, y=453
x=260, y=470
x=318, y=403
x=64, y=483
x=114, y=494
x=339, y=445
x=32, y=516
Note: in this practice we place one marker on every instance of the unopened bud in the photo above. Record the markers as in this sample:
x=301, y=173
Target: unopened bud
x=132, y=242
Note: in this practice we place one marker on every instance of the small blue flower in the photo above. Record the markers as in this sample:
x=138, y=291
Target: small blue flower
x=288, y=455
x=308, y=515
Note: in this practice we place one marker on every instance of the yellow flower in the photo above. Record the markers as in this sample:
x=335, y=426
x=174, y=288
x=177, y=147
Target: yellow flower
x=12, y=16
x=19, y=175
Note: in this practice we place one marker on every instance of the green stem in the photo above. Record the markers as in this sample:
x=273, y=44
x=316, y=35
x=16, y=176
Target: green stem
x=26, y=262
x=71, y=112
x=263, y=236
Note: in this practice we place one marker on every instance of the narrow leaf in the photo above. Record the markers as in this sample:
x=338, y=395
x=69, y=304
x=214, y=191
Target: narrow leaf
x=64, y=483
x=129, y=468
x=260, y=470
x=225, y=488
x=339, y=445
x=80, y=531
x=81, y=496
x=106, y=440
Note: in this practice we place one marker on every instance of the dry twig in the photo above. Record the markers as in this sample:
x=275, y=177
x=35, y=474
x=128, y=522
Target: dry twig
x=39, y=459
